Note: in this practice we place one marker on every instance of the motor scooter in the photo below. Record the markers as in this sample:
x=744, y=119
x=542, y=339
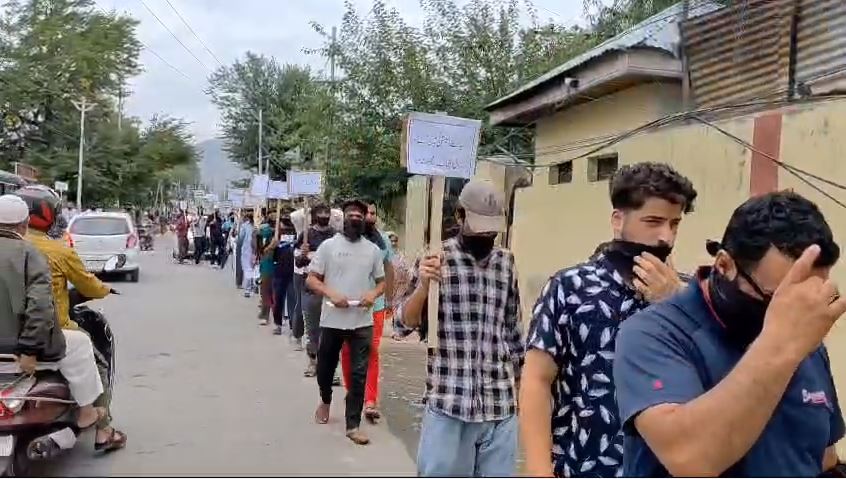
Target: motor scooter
x=145, y=237
x=38, y=416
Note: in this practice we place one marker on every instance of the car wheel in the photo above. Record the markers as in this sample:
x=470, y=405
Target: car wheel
x=133, y=276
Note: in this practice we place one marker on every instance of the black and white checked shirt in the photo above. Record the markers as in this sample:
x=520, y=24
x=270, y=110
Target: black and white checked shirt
x=480, y=343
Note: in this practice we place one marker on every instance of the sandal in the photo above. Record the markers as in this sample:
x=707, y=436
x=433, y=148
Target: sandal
x=372, y=414
x=358, y=437
x=321, y=415
x=117, y=440
x=101, y=414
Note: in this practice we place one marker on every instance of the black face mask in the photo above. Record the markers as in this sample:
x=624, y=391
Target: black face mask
x=353, y=229
x=741, y=314
x=479, y=247
x=322, y=221
x=622, y=253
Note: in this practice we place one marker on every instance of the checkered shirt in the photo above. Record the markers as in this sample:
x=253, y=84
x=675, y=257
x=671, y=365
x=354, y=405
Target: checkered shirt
x=480, y=350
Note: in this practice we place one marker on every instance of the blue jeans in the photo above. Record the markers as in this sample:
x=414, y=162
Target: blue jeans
x=452, y=447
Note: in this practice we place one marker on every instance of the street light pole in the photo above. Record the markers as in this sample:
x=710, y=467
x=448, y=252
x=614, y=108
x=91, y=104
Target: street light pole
x=83, y=108
x=260, y=133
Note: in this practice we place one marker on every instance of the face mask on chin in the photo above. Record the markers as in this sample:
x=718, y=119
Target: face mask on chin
x=622, y=253
x=741, y=314
x=479, y=247
x=353, y=229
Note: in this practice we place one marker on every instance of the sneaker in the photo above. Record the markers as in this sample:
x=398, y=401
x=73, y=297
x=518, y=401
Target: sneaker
x=298, y=344
x=277, y=331
x=247, y=294
x=263, y=322
x=336, y=381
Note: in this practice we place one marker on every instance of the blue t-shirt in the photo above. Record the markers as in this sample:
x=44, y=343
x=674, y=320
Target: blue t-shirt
x=675, y=351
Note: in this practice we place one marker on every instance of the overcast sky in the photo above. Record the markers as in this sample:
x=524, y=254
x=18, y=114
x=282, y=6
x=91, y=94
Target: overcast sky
x=230, y=28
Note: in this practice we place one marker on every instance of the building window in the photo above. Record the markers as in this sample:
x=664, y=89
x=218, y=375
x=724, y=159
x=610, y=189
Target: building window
x=601, y=168
x=561, y=173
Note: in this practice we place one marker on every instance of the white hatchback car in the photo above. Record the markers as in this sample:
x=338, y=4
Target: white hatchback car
x=98, y=237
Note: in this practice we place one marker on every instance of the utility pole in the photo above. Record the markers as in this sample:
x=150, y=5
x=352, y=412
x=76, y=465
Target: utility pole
x=685, y=14
x=332, y=57
x=120, y=106
x=83, y=108
x=332, y=50
x=260, y=133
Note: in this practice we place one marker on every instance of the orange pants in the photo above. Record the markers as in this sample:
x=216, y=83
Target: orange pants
x=371, y=388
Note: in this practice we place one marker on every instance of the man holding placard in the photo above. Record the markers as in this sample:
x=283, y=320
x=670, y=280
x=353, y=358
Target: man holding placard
x=473, y=373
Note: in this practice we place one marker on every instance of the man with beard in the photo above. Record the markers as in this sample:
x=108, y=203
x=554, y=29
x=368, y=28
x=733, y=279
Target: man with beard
x=343, y=271
x=371, y=392
x=470, y=424
x=730, y=378
x=312, y=304
x=569, y=422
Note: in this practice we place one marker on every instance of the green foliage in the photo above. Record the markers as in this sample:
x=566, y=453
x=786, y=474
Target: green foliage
x=284, y=96
x=58, y=51
x=466, y=54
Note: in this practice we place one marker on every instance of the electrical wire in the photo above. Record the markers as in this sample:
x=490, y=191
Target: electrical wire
x=787, y=167
x=149, y=49
x=173, y=35
x=185, y=22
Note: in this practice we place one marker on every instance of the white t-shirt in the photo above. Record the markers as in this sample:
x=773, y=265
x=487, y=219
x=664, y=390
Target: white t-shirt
x=349, y=268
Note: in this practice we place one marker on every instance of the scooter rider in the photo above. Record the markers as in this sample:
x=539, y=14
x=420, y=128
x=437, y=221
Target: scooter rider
x=66, y=266
x=28, y=325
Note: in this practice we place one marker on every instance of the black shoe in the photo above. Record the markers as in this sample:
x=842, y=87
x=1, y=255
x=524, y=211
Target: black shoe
x=336, y=381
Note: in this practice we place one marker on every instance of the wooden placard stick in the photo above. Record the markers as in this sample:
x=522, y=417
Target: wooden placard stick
x=438, y=185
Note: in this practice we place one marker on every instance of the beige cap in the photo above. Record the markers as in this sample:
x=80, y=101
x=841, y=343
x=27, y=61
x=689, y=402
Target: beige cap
x=484, y=205
x=13, y=210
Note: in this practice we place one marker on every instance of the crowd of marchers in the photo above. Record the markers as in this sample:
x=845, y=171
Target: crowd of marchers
x=628, y=368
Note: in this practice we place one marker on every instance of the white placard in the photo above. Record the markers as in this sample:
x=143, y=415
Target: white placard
x=236, y=197
x=183, y=205
x=440, y=145
x=199, y=194
x=302, y=183
x=278, y=190
x=60, y=186
x=258, y=186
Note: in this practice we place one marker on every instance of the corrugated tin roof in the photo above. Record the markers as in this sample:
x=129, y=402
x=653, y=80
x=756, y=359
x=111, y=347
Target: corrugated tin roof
x=739, y=52
x=660, y=31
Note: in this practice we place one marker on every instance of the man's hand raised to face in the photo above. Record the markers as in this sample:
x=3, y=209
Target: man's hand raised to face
x=804, y=308
x=654, y=279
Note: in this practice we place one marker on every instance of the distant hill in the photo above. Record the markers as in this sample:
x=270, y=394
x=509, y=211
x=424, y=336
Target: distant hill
x=216, y=170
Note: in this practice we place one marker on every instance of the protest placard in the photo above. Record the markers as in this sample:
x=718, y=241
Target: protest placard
x=438, y=146
x=278, y=190
x=441, y=145
x=302, y=183
x=259, y=185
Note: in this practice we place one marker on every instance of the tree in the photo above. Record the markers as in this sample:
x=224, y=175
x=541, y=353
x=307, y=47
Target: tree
x=282, y=93
x=57, y=51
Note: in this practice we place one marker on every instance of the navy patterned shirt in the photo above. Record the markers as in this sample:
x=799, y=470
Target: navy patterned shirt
x=575, y=321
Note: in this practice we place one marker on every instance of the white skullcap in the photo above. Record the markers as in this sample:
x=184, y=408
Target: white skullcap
x=13, y=210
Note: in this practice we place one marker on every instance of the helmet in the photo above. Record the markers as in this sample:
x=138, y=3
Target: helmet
x=44, y=205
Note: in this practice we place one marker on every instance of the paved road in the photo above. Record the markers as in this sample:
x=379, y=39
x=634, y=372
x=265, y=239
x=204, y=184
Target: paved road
x=203, y=390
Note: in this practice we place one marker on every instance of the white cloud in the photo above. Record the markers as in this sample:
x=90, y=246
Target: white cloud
x=230, y=28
